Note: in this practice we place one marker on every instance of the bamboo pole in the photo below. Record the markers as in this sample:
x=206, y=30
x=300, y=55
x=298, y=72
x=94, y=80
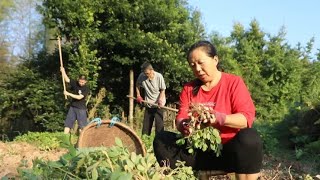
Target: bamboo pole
x=61, y=65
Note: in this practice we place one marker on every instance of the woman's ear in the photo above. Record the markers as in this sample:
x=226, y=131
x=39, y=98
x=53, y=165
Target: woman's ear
x=216, y=58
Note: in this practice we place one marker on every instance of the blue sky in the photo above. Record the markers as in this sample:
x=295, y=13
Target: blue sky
x=301, y=19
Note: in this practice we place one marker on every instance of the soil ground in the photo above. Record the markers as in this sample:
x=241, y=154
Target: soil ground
x=14, y=155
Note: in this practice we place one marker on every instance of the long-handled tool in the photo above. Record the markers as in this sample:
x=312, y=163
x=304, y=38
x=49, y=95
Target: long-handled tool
x=61, y=65
x=163, y=107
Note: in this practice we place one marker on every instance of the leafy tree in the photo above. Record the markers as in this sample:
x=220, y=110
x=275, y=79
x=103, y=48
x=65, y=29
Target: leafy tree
x=30, y=102
x=271, y=68
x=310, y=92
x=4, y=45
x=227, y=62
x=282, y=69
x=4, y=5
x=23, y=24
x=121, y=35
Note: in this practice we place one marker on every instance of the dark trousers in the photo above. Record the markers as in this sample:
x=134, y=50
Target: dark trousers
x=242, y=155
x=76, y=114
x=150, y=115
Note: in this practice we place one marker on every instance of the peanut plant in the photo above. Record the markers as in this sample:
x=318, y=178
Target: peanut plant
x=202, y=136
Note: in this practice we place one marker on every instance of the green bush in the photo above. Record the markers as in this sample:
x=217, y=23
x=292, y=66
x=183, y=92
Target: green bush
x=313, y=147
x=46, y=140
x=268, y=135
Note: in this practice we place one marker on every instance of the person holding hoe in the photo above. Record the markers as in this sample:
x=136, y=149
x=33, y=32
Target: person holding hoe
x=154, y=87
x=78, y=109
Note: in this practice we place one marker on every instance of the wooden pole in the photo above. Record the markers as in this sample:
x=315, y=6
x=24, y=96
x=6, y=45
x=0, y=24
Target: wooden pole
x=131, y=91
x=61, y=65
x=162, y=107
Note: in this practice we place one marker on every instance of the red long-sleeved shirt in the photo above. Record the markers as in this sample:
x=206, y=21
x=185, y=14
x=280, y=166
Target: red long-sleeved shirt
x=229, y=96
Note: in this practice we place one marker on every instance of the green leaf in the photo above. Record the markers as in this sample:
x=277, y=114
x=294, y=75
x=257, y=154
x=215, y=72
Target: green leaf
x=55, y=164
x=143, y=162
x=130, y=164
x=216, y=133
x=181, y=141
x=125, y=176
x=72, y=151
x=95, y=174
x=140, y=167
x=118, y=142
x=133, y=157
x=67, y=157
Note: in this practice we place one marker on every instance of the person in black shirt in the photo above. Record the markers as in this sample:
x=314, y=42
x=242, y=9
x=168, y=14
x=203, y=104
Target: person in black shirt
x=78, y=109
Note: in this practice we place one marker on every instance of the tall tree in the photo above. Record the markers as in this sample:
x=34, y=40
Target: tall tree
x=121, y=35
x=271, y=68
x=4, y=4
x=4, y=45
x=23, y=28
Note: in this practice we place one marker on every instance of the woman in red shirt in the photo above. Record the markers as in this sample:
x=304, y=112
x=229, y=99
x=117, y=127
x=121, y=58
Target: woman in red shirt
x=233, y=111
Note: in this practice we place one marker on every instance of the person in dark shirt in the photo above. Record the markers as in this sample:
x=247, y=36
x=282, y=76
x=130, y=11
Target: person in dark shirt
x=78, y=109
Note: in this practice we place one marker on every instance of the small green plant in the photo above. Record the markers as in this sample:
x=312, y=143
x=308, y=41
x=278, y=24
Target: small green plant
x=299, y=153
x=313, y=147
x=268, y=134
x=148, y=141
x=203, y=139
x=45, y=140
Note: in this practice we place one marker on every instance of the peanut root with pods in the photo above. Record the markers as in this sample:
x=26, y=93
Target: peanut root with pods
x=202, y=135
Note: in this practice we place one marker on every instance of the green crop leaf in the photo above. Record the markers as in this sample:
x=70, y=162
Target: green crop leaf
x=204, y=139
x=118, y=142
x=130, y=164
x=133, y=157
x=140, y=167
x=55, y=164
x=95, y=174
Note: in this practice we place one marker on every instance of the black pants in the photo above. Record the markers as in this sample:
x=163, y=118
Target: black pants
x=151, y=114
x=242, y=155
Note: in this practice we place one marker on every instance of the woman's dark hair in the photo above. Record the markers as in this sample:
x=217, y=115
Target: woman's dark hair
x=206, y=45
x=211, y=52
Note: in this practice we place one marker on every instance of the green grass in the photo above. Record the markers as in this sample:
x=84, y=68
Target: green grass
x=47, y=140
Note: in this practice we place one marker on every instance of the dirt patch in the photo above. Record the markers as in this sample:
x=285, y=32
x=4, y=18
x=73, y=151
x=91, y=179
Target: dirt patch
x=14, y=155
x=283, y=169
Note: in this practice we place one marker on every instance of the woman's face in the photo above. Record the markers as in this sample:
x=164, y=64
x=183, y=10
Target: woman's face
x=203, y=66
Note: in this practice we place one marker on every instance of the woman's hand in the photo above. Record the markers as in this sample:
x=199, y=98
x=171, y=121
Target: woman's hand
x=184, y=127
x=220, y=118
x=202, y=116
